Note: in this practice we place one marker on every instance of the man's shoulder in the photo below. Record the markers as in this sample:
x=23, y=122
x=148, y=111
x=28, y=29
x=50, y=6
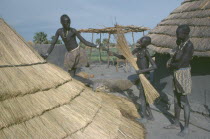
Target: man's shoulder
x=73, y=30
x=59, y=30
x=189, y=45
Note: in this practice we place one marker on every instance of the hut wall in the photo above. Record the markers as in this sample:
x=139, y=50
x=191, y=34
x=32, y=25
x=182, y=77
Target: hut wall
x=57, y=55
x=200, y=96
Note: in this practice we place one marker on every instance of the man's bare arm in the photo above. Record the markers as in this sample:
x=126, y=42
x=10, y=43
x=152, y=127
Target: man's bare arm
x=185, y=56
x=135, y=51
x=83, y=40
x=53, y=42
x=52, y=45
x=153, y=67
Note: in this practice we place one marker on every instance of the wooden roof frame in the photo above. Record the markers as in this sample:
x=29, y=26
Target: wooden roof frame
x=113, y=30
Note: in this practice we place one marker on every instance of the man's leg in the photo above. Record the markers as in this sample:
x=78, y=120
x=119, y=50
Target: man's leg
x=149, y=76
x=150, y=115
x=177, y=110
x=185, y=102
x=143, y=104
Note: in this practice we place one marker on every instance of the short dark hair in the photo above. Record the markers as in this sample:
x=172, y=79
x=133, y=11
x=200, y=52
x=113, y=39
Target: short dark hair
x=64, y=16
x=146, y=38
x=184, y=27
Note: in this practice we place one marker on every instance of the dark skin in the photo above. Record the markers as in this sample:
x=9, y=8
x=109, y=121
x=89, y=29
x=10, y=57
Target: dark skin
x=143, y=60
x=181, y=59
x=68, y=36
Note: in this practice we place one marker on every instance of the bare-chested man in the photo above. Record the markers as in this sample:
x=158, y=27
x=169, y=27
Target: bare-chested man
x=76, y=56
x=180, y=64
x=143, y=60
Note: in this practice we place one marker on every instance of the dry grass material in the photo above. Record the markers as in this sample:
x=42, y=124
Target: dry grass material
x=150, y=91
x=85, y=75
x=166, y=41
x=113, y=30
x=15, y=50
x=40, y=100
x=194, y=13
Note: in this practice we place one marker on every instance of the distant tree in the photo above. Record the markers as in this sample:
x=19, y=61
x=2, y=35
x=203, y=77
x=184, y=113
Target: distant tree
x=58, y=41
x=40, y=38
x=112, y=44
x=105, y=42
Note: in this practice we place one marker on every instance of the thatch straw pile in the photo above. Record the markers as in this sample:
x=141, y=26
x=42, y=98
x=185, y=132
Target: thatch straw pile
x=39, y=100
x=150, y=92
x=196, y=14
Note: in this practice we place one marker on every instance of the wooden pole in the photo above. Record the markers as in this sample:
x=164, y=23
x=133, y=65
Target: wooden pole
x=91, y=48
x=100, y=49
x=117, y=65
x=108, y=49
x=133, y=39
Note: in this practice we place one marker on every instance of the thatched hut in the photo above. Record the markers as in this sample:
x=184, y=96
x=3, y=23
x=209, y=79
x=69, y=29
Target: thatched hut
x=196, y=14
x=40, y=100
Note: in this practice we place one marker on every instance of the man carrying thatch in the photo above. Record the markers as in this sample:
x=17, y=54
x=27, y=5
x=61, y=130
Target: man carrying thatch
x=76, y=56
x=180, y=63
x=143, y=60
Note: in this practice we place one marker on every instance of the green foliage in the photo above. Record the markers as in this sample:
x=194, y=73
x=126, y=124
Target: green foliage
x=58, y=41
x=104, y=55
x=112, y=45
x=40, y=38
x=105, y=42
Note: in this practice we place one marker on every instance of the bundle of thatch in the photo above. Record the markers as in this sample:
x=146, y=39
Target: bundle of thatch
x=85, y=75
x=196, y=14
x=39, y=100
x=150, y=92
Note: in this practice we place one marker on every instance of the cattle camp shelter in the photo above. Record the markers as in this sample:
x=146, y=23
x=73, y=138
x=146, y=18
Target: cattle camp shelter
x=40, y=100
x=112, y=31
x=196, y=14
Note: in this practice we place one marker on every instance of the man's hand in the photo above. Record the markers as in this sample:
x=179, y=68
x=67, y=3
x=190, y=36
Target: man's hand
x=44, y=55
x=138, y=71
x=98, y=46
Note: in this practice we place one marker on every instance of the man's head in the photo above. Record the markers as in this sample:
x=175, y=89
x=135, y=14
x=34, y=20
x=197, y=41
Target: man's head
x=144, y=41
x=65, y=21
x=182, y=32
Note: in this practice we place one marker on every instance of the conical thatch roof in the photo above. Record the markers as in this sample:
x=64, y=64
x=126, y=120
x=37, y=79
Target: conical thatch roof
x=195, y=13
x=39, y=100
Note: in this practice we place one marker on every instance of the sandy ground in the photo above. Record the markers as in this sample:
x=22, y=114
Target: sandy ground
x=163, y=117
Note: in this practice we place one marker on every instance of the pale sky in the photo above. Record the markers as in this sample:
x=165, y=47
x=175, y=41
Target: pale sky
x=30, y=16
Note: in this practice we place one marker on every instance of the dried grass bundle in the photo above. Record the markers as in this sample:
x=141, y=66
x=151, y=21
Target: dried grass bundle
x=39, y=100
x=150, y=91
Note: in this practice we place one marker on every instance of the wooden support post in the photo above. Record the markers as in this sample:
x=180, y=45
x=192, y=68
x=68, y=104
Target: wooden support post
x=117, y=65
x=100, y=49
x=91, y=48
x=133, y=39
x=108, y=49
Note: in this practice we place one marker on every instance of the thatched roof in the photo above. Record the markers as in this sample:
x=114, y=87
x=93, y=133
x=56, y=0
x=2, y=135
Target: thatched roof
x=196, y=14
x=40, y=100
x=113, y=30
